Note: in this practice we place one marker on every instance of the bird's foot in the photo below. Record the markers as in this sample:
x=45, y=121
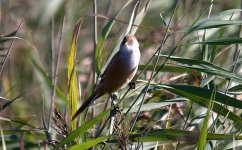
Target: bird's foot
x=113, y=96
x=132, y=85
x=115, y=110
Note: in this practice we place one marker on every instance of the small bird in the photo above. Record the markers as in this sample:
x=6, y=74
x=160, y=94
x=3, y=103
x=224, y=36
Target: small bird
x=119, y=72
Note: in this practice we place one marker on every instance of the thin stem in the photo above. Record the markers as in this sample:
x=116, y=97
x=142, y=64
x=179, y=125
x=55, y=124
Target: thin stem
x=184, y=126
x=53, y=70
x=8, y=51
x=94, y=47
x=94, y=39
x=56, y=73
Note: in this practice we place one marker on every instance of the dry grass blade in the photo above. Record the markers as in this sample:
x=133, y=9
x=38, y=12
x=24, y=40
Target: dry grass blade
x=56, y=72
x=60, y=126
x=72, y=78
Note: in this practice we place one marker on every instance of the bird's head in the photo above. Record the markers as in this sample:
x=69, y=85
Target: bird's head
x=130, y=43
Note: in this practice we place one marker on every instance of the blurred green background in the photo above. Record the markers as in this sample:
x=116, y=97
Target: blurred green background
x=45, y=37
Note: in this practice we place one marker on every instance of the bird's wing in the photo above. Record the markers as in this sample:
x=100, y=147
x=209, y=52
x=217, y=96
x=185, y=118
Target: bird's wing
x=113, y=64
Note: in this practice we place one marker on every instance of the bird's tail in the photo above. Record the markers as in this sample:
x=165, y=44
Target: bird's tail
x=85, y=104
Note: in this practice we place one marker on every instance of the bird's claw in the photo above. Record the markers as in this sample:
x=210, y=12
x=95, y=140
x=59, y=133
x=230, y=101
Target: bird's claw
x=132, y=85
x=115, y=109
x=113, y=96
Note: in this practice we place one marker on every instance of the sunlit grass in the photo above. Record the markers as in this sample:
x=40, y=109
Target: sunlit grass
x=188, y=85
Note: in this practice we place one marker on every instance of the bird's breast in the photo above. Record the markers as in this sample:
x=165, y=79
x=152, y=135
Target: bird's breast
x=131, y=59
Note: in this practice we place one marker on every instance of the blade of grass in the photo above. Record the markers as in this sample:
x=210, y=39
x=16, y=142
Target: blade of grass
x=140, y=16
x=72, y=78
x=132, y=18
x=205, y=47
x=228, y=12
x=178, y=135
x=203, y=134
x=205, y=94
x=89, y=144
x=235, y=89
x=211, y=23
x=55, y=72
x=203, y=101
x=7, y=104
x=151, y=106
x=221, y=41
x=207, y=67
x=95, y=48
x=167, y=68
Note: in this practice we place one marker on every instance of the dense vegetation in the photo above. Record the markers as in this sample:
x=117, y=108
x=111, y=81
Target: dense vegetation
x=188, y=85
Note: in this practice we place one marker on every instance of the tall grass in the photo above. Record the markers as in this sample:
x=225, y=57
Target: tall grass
x=188, y=85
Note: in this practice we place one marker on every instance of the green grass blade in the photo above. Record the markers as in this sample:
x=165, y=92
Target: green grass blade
x=212, y=23
x=167, y=68
x=72, y=78
x=19, y=122
x=206, y=67
x=221, y=41
x=203, y=134
x=178, y=135
x=204, y=101
x=236, y=89
x=228, y=12
x=206, y=94
x=140, y=16
x=89, y=144
x=7, y=104
x=151, y=106
x=131, y=19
